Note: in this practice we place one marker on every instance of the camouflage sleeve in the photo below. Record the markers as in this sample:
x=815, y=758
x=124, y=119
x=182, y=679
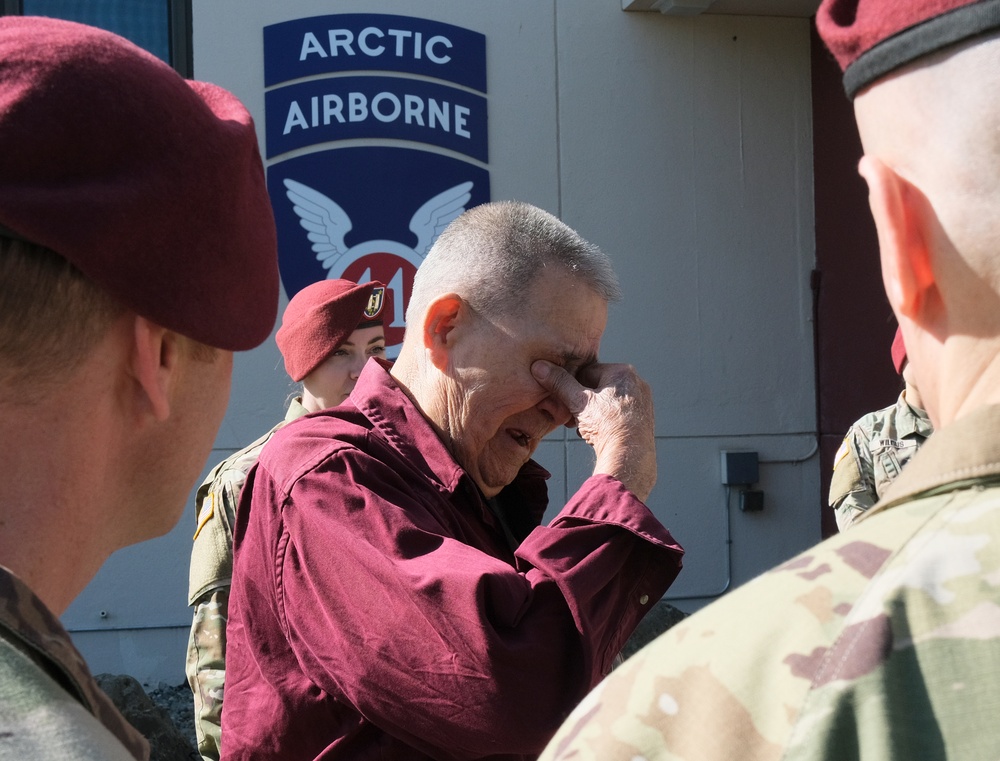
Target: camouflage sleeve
x=212, y=551
x=852, y=488
x=206, y=668
x=210, y=580
x=874, y=644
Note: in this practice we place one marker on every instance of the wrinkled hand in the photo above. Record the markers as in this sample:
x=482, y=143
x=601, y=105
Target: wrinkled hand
x=612, y=410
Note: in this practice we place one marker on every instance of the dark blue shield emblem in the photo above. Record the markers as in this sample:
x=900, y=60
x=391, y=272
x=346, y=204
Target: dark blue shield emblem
x=371, y=211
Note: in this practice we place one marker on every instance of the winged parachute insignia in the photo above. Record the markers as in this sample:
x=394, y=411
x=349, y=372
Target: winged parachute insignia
x=327, y=223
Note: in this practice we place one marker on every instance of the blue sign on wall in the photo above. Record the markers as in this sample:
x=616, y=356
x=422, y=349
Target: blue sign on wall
x=348, y=108
x=330, y=226
x=371, y=210
x=376, y=42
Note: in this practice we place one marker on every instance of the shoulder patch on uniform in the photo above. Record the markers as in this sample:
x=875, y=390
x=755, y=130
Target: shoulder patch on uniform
x=846, y=477
x=841, y=453
x=206, y=513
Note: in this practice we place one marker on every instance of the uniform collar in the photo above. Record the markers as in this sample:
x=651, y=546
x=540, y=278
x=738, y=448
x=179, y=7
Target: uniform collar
x=295, y=410
x=966, y=450
x=37, y=631
x=911, y=420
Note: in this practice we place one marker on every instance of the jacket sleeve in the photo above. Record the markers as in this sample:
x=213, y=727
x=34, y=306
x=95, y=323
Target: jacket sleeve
x=445, y=645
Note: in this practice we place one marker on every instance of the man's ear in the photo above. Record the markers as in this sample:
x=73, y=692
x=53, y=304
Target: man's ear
x=901, y=217
x=154, y=365
x=444, y=315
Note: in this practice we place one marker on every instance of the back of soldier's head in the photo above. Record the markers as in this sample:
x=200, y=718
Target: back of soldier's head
x=123, y=187
x=925, y=80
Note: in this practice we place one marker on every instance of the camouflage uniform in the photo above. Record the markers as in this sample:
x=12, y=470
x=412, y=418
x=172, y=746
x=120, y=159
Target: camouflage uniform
x=882, y=642
x=209, y=582
x=872, y=455
x=51, y=709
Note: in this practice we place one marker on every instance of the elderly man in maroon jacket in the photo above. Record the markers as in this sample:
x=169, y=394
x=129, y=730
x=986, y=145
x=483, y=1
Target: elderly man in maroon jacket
x=394, y=595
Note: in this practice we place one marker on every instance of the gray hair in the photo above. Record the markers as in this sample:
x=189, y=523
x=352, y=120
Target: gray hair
x=491, y=254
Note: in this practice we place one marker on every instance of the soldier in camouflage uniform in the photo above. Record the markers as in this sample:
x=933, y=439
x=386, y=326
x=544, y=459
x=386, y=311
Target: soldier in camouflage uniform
x=121, y=187
x=324, y=346
x=878, y=446
x=884, y=641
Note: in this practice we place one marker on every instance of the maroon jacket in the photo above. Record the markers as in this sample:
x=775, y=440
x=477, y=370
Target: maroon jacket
x=377, y=609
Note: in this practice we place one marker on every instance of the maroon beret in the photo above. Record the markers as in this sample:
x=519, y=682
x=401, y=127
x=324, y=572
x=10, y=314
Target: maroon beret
x=870, y=38
x=321, y=316
x=150, y=185
x=898, y=352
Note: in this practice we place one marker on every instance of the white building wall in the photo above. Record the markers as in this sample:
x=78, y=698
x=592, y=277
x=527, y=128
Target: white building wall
x=683, y=147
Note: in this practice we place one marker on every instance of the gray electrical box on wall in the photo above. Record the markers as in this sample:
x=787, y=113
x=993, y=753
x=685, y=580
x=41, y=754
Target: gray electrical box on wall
x=739, y=468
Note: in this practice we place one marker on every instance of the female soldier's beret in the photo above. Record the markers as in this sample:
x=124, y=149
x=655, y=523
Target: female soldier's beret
x=321, y=316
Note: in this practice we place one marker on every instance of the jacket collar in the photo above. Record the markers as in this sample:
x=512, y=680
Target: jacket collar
x=399, y=421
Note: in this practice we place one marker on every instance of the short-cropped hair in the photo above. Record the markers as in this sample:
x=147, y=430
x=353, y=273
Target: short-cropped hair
x=51, y=315
x=491, y=254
